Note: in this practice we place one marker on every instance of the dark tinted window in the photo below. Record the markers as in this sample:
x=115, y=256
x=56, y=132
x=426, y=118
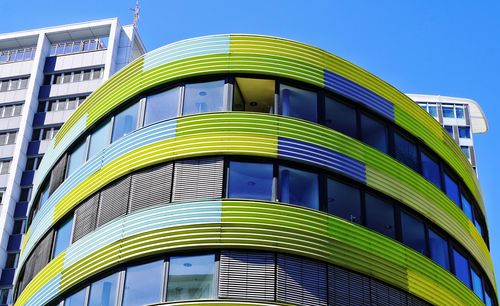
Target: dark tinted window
x=438, y=249
x=250, y=180
x=299, y=187
x=461, y=268
x=430, y=169
x=477, y=284
x=299, y=103
x=380, y=216
x=374, y=133
x=340, y=117
x=413, y=233
x=451, y=187
x=405, y=151
x=467, y=208
x=344, y=201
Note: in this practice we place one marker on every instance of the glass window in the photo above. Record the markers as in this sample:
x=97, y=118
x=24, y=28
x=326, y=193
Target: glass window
x=190, y=277
x=466, y=151
x=99, y=139
x=464, y=132
x=487, y=299
x=249, y=180
x=374, y=133
x=461, y=268
x=76, y=158
x=459, y=112
x=299, y=103
x=58, y=78
x=467, y=208
x=4, y=295
x=97, y=73
x=67, y=77
x=44, y=196
x=479, y=227
x=430, y=169
x=340, y=117
x=451, y=187
x=449, y=129
x=143, y=284
x=77, y=299
x=162, y=106
x=254, y=95
x=477, y=284
x=432, y=110
x=299, y=187
x=380, y=216
x=25, y=194
x=103, y=292
x=405, y=151
x=18, y=227
x=63, y=237
x=125, y=122
x=448, y=112
x=86, y=75
x=344, y=201
x=11, y=260
x=413, y=233
x=438, y=248
x=203, y=97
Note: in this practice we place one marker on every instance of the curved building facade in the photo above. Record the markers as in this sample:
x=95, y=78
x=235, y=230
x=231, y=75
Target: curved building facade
x=253, y=170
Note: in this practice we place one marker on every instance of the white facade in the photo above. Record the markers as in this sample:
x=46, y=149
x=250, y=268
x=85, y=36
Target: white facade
x=44, y=75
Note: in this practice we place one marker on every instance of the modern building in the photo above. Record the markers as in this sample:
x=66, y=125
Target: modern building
x=45, y=74
x=253, y=170
x=460, y=117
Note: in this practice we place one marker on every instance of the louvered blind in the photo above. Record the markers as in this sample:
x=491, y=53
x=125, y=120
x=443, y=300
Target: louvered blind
x=198, y=179
x=57, y=174
x=113, y=201
x=151, y=187
x=301, y=281
x=38, y=259
x=347, y=288
x=247, y=275
x=86, y=217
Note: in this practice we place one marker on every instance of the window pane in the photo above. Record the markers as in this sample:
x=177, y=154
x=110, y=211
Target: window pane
x=449, y=129
x=63, y=237
x=461, y=268
x=143, y=284
x=18, y=227
x=448, y=112
x=86, y=75
x=413, y=233
x=44, y=196
x=125, y=122
x=254, y=95
x=488, y=300
x=464, y=132
x=344, y=201
x=477, y=284
x=103, y=292
x=380, y=216
x=374, y=133
x=203, y=97
x=250, y=180
x=299, y=103
x=439, y=250
x=433, y=111
x=430, y=169
x=405, y=151
x=467, y=208
x=67, y=77
x=466, y=151
x=162, y=106
x=299, y=187
x=99, y=139
x=340, y=117
x=452, y=189
x=479, y=227
x=459, y=111
x=97, y=73
x=190, y=277
x=77, y=299
x=76, y=158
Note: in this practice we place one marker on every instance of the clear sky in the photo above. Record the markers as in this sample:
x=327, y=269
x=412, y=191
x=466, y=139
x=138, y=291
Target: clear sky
x=445, y=47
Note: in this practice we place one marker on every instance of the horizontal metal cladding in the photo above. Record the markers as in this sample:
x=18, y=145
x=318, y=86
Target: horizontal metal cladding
x=252, y=134
x=247, y=225
x=266, y=56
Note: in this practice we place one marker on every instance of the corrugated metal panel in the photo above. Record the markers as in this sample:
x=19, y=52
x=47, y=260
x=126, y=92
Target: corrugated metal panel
x=57, y=174
x=247, y=275
x=150, y=187
x=301, y=281
x=198, y=179
x=86, y=217
x=113, y=201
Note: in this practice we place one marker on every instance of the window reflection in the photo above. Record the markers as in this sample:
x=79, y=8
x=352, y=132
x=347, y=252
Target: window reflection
x=380, y=216
x=461, y=268
x=77, y=299
x=430, y=169
x=452, y=189
x=413, y=233
x=190, y=277
x=203, y=98
x=299, y=103
x=103, y=292
x=125, y=122
x=99, y=139
x=250, y=180
x=438, y=248
x=477, y=284
x=76, y=158
x=143, y=284
x=340, y=117
x=405, y=151
x=374, y=133
x=299, y=187
x=63, y=237
x=344, y=201
x=162, y=106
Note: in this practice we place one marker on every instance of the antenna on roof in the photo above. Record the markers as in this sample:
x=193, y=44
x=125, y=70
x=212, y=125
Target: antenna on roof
x=136, y=14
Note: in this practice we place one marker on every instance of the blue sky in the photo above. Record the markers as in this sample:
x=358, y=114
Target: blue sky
x=424, y=46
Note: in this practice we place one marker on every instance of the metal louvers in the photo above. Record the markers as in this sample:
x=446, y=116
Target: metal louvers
x=57, y=174
x=198, y=179
x=247, y=275
x=150, y=187
x=38, y=259
x=114, y=201
x=86, y=217
x=301, y=281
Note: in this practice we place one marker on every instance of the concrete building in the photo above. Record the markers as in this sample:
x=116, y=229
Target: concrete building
x=460, y=117
x=253, y=170
x=45, y=74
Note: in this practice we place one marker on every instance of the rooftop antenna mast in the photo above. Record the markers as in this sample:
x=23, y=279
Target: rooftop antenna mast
x=136, y=14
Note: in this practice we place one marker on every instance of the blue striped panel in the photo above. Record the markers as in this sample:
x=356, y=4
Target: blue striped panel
x=351, y=90
x=321, y=156
x=217, y=44
x=46, y=293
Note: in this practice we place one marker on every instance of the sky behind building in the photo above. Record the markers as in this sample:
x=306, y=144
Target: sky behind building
x=428, y=47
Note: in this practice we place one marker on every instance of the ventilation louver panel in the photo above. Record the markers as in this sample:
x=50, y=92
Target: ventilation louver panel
x=86, y=217
x=113, y=202
x=151, y=187
x=199, y=179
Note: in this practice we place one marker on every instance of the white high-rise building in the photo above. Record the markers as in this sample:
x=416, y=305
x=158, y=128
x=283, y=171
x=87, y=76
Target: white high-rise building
x=45, y=74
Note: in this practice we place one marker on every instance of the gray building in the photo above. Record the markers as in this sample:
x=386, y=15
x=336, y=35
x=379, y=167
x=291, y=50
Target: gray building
x=45, y=74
